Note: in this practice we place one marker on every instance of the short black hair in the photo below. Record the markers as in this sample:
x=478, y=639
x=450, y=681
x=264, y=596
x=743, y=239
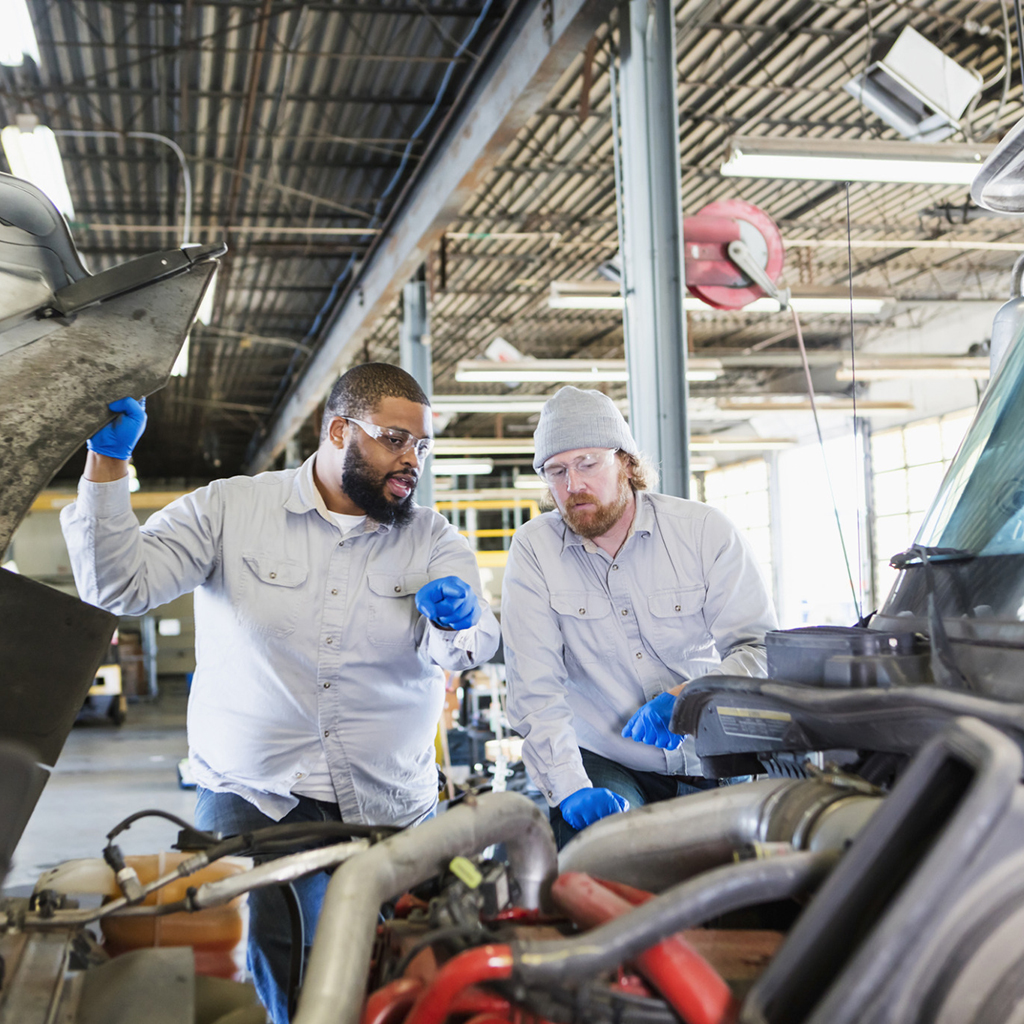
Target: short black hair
x=359, y=391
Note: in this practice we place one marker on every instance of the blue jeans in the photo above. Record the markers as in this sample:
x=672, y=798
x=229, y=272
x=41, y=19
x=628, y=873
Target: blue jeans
x=637, y=787
x=270, y=935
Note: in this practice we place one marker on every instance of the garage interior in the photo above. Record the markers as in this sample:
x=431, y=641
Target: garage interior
x=455, y=187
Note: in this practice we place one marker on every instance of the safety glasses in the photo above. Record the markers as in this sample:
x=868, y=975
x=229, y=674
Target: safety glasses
x=394, y=440
x=555, y=473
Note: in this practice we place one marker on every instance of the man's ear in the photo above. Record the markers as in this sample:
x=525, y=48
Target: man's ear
x=338, y=431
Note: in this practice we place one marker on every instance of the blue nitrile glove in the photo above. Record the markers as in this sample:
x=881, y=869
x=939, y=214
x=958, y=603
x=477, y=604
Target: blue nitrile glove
x=651, y=723
x=449, y=602
x=119, y=437
x=586, y=806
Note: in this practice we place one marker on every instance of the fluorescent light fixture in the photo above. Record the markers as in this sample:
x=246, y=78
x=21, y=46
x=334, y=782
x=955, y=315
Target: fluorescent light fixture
x=529, y=482
x=564, y=371
x=31, y=150
x=180, y=367
x=740, y=444
x=462, y=467
x=863, y=305
x=479, y=446
x=918, y=163
x=738, y=409
x=702, y=465
x=18, y=39
x=497, y=403
x=880, y=367
x=205, y=312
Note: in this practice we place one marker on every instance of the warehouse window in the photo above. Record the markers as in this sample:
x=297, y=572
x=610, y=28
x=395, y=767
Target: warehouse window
x=907, y=466
x=740, y=490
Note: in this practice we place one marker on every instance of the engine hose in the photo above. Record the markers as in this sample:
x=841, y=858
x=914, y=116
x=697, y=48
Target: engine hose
x=686, y=905
x=298, y=946
x=688, y=982
x=390, y=1004
x=485, y=963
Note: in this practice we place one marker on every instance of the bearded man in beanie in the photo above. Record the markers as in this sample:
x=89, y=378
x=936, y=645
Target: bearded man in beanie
x=610, y=604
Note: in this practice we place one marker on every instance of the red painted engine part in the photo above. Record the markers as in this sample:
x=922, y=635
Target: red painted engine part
x=390, y=1004
x=710, y=274
x=484, y=963
x=688, y=982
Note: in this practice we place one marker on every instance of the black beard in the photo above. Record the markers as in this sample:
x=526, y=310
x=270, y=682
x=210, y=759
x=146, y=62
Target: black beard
x=366, y=490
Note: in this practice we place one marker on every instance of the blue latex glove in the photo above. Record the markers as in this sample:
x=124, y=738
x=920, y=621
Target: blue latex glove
x=651, y=723
x=449, y=602
x=119, y=437
x=586, y=806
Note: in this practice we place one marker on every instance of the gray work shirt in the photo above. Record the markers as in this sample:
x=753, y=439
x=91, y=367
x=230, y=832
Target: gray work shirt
x=308, y=643
x=590, y=638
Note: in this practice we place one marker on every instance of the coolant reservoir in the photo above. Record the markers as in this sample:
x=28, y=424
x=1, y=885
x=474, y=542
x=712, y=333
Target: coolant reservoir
x=214, y=933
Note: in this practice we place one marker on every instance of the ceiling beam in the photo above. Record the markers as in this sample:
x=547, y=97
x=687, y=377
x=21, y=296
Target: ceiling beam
x=537, y=45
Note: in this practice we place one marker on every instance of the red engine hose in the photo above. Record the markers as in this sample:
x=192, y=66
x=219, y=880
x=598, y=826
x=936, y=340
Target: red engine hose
x=485, y=963
x=390, y=1004
x=688, y=982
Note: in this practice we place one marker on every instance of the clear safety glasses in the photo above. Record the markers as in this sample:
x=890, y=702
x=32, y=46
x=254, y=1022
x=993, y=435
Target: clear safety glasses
x=394, y=440
x=555, y=473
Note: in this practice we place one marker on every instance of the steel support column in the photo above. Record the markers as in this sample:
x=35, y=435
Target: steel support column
x=414, y=349
x=651, y=236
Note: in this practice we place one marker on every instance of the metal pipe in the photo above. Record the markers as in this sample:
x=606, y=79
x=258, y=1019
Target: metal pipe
x=275, y=872
x=186, y=177
x=660, y=844
x=690, y=985
x=687, y=905
x=336, y=976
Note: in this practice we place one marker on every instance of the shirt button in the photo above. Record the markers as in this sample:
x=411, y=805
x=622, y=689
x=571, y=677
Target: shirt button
x=639, y=656
x=625, y=611
x=298, y=775
x=583, y=611
x=335, y=591
x=273, y=575
x=679, y=607
x=341, y=543
x=330, y=639
x=327, y=686
x=327, y=732
x=615, y=566
x=398, y=590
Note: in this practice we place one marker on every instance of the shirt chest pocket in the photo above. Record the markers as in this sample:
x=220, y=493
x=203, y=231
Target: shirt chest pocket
x=271, y=592
x=585, y=621
x=677, y=628
x=392, y=606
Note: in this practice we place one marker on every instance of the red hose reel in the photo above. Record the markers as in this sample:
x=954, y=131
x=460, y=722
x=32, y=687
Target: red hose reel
x=733, y=254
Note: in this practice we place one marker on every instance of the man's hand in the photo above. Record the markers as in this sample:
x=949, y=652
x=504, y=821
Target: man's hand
x=119, y=437
x=586, y=806
x=449, y=602
x=651, y=723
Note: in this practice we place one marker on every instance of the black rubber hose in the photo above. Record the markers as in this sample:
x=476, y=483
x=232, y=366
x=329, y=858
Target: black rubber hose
x=686, y=905
x=298, y=949
x=291, y=837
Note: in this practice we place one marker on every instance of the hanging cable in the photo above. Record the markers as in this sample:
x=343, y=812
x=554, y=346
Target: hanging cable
x=824, y=459
x=1020, y=39
x=858, y=476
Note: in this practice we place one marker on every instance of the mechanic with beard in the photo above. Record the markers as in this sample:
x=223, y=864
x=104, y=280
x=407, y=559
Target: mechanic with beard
x=610, y=604
x=327, y=604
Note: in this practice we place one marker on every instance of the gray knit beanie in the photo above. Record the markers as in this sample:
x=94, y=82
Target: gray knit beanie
x=579, y=419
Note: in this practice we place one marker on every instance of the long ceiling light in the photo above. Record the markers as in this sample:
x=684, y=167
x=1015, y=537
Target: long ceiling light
x=869, y=367
x=566, y=371
x=853, y=160
x=462, y=467
x=31, y=150
x=18, y=39
x=864, y=304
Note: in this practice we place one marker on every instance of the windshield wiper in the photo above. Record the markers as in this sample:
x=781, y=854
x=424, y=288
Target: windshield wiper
x=918, y=554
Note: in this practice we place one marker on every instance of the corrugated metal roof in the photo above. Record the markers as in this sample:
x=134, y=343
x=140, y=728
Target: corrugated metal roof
x=301, y=122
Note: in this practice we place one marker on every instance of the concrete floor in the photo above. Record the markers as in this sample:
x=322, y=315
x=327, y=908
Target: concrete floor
x=104, y=774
